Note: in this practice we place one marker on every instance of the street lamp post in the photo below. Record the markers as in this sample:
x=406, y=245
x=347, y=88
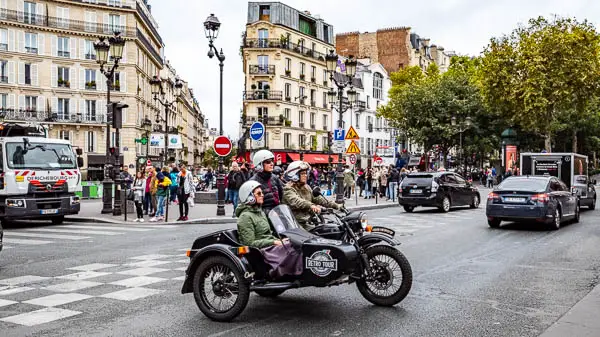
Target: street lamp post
x=147, y=125
x=160, y=96
x=343, y=82
x=115, y=46
x=211, y=29
x=462, y=125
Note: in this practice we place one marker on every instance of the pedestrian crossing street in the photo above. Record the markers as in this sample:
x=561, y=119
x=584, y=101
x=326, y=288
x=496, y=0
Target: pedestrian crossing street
x=405, y=223
x=36, y=236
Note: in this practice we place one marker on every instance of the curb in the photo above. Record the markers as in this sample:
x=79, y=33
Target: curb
x=203, y=221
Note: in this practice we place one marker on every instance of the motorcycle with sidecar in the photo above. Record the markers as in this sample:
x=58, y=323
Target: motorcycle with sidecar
x=222, y=272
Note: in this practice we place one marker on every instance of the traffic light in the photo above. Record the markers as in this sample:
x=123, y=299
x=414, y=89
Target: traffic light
x=115, y=114
x=112, y=150
x=329, y=139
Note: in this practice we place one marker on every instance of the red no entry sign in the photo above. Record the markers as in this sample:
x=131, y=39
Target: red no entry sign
x=222, y=146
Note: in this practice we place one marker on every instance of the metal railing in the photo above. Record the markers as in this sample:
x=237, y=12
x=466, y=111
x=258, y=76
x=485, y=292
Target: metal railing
x=31, y=50
x=29, y=115
x=278, y=43
x=90, y=56
x=148, y=46
x=90, y=86
x=257, y=95
x=258, y=69
x=64, y=53
x=3, y=47
x=3, y=79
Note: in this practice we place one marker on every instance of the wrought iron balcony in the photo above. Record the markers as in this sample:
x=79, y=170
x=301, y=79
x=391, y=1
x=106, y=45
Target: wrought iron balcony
x=64, y=53
x=51, y=117
x=90, y=56
x=149, y=46
x=278, y=43
x=258, y=69
x=90, y=85
x=258, y=95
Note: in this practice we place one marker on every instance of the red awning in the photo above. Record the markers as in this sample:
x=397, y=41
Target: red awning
x=281, y=156
x=316, y=158
x=294, y=156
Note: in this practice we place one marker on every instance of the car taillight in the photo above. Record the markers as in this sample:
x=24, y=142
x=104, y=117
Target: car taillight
x=541, y=198
x=434, y=186
x=493, y=196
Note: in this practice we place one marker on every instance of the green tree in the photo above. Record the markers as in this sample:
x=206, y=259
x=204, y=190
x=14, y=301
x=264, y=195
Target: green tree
x=544, y=77
x=211, y=159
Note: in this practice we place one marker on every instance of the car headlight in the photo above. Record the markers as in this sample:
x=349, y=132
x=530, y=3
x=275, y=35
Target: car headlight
x=363, y=221
x=75, y=200
x=15, y=203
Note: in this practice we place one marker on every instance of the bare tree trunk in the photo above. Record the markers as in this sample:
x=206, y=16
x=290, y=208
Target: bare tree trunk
x=575, y=145
x=548, y=142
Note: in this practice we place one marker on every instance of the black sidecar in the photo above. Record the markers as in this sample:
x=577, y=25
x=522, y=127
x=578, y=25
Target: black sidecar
x=222, y=272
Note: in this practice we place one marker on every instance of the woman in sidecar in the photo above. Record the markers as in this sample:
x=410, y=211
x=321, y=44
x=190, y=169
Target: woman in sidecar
x=254, y=231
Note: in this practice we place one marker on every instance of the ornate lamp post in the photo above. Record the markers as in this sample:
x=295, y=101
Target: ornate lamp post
x=344, y=81
x=147, y=126
x=158, y=90
x=211, y=29
x=115, y=46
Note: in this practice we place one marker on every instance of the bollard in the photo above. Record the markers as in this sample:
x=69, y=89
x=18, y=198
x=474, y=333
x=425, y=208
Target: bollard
x=167, y=205
x=125, y=200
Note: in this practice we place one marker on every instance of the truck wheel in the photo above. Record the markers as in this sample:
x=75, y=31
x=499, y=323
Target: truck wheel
x=58, y=220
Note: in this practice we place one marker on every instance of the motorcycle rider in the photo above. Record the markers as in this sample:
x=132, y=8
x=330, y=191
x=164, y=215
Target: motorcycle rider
x=299, y=197
x=272, y=187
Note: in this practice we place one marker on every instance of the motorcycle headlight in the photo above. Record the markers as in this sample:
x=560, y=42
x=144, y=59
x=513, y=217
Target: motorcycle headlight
x=363, y=221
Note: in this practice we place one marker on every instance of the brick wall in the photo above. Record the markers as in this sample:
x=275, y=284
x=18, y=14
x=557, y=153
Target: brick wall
x=367, y=47
x=347, y=44
x=394, y=48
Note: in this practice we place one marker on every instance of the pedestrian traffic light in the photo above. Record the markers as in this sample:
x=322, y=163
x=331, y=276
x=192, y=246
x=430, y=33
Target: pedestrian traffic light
x=329, y=139
x=115, y=114
x=112, y=151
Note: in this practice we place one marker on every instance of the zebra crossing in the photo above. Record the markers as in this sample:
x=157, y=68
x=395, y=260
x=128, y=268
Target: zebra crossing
x=405, y=223
x=37, y=236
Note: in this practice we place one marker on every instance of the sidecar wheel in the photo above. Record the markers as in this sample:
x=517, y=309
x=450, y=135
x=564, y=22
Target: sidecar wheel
x=392, y=278
x=269, y=293
x=219, y=290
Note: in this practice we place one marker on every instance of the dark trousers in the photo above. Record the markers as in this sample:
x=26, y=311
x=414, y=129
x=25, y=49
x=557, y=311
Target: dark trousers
x=139, y=209
x=183, y=205
x=148, y=203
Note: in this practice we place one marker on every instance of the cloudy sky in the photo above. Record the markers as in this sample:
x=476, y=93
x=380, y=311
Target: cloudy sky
x=464, y=26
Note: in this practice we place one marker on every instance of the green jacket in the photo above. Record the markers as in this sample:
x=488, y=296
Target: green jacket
x=253, y=227
x=348, y=178
x=300, y=200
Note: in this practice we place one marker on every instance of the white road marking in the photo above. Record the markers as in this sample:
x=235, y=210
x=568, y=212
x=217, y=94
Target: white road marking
x=41, y=316
x=181, y=269
x=26, y=241
x=76, y=231
x=109, y=227
x=4, y=303
x=154, y=226
x=93, y=266
x=47, y=236
x=8, y=290
x=82, y=275
x=57, y=299
x=132, y=294
x=25, y=279
x=72, y=286
x=151, y=257
x=179, y=278
x=147, y=263
x=142, y=271
x=140, y=281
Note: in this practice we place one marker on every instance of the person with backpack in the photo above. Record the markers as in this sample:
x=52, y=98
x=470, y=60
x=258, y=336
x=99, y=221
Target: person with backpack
x=235, y=179
x=174, y=184
x=185, y=187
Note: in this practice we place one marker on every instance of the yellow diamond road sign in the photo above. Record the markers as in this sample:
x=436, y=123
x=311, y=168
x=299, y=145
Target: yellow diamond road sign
x=351, y=134
x=353, y=148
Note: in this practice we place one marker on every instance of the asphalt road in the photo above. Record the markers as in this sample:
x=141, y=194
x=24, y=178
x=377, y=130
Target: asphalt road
x=469, y=280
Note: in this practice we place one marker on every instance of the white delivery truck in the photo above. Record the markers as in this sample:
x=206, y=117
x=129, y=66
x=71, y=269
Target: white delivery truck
x=38, y=175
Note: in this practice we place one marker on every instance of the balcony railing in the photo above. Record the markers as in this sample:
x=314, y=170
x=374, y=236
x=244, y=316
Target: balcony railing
x=31, y=50
x=90, y=86
x=64, y=53
x=73, y=25
x=64, y=84
x=90, y=56
x=277, y=43
x=51, y=117
x=257, y=95
x=258, y=69
x=3, y=79
x=313, y=103
x=149, y=46
x=3, y=47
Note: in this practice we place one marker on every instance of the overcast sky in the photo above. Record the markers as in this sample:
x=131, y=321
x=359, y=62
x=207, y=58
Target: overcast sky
x=464, y=26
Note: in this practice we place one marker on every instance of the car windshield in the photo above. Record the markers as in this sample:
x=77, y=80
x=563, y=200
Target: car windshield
x=523, y=184
x=40, y=156
x=283, y=219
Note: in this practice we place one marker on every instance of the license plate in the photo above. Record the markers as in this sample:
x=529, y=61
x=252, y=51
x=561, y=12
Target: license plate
x=416, y=191
x=49, y=211
x=510, y=199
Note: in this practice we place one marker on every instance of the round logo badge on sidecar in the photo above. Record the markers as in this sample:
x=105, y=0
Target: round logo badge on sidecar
x=321, y=263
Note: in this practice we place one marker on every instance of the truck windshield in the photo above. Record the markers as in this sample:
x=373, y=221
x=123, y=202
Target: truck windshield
x=40, y=156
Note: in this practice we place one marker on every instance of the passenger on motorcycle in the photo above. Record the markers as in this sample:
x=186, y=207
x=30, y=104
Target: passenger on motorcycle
x=254, y=231
x=298, y=195
x=270, y=183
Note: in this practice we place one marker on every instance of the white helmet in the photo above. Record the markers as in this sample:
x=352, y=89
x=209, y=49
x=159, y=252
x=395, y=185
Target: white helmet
x=246, y=193
x=293, y=171
x=260, y=157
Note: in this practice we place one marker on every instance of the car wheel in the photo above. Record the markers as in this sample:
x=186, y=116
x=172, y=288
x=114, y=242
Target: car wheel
x=219, y=289
x=58, y=220
x=475, y=201
x=409, y=209
x=577, y=213
x=495, y=223
x=557, y=220
x=593, y=205
x=446, y=205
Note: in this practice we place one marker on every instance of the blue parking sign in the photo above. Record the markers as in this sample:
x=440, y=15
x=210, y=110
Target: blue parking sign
x=339, y=134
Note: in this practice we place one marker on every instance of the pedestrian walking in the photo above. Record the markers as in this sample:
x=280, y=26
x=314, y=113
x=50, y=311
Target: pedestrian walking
x=393, y=181
x=163, y=184
x=139, y=190
x=185, y=187
x=235, y=180
x=148, y=205
x=174, y=184
x=383, y=183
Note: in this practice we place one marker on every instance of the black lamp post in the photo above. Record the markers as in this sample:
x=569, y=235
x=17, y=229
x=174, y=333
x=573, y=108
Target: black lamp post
x=343, y=82
x=462, y=126
x=147, y=126
x=158, y=90
x=115, y=46
x=211, y=29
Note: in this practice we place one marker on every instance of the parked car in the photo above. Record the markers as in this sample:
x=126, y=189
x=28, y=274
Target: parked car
x=443, y=190
x=586, y=191
x=543, y=199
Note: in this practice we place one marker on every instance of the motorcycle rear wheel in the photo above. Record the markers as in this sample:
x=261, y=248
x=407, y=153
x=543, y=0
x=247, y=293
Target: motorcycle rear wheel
x=377, y=290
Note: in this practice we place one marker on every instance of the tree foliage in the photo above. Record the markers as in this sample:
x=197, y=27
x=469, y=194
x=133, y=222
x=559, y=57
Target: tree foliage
x=211, y=159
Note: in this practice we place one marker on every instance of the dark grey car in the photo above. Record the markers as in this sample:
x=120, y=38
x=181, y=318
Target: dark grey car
x=586, y=190
x=546, y=200
x=1, y=235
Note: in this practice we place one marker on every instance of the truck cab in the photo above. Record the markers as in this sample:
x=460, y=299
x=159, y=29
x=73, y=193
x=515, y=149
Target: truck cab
x=38, y=176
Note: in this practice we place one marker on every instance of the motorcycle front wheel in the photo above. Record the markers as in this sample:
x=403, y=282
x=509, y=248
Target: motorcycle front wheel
x=391, y=277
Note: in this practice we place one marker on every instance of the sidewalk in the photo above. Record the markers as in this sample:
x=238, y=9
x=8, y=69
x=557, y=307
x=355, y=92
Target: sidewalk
x=200, y=213
x=581, y=320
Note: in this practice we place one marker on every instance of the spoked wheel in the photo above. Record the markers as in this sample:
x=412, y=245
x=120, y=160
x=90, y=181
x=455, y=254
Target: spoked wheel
x=446, y=205
x=557, y=220
x=391, y=277
x=269, y=293
x=475, y=201
x=219, y=290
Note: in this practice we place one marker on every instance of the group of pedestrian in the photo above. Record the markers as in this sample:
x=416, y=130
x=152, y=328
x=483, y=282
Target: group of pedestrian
x=374, y=181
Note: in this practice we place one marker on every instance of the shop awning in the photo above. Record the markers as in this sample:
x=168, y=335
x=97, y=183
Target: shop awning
x=280, y=156
x=316, y=158
x=294, y=156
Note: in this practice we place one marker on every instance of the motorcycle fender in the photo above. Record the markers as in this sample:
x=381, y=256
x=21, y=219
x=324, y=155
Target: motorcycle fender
x=374, y=238
x=215, y=249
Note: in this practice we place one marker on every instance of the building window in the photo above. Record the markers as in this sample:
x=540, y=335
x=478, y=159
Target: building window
x=63, y=109
x=63, y=77
x=287, y=140
x=64, y=135
x=263, y=64
x=325, y=99
x=63, y=47
x=301, y=118
x=90, y=111
x=28, y=73
x=31, y=43
x=301, y=94
x=357, y=121
x=3, y=71
x=90, y=79
x=288, y=91
x=326, y=33
x=91, y=141
x=302, y=69
x=378, y=86
x=30, y=103
x=63, y=17
x=29, y=12
x=313, y=97
x=3, y=39
x=3, y=101
x=114, y=23
x=117, y=81
x=90, y=52
x=368, y=102
x=288, y=65
x=264, y=12
x=287, y=113
x=263, y=113
x=325, y=76
x=313, y=117
x=313, y=74
x=302, y=141
x=263, y=38
x=325, y=119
